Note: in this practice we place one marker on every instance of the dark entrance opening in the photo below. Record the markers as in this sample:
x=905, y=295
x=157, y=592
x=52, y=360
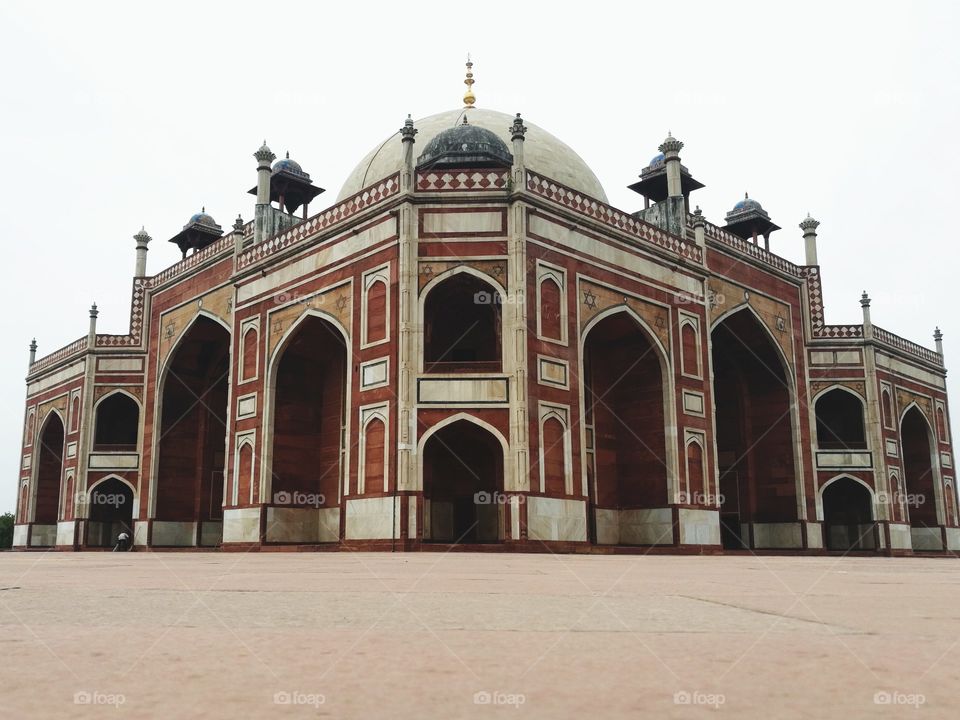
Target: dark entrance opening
x=193, y=431
x=848, y=516
x=111, y=513
x=754, y=431
x=463, y=485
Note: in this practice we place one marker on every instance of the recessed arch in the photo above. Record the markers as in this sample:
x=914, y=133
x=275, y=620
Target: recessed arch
x=463, y=478
x=462, y=321
x=49, y=456
x=374, y=453
x=116, y=421
x=306, y=458
x=840, y=415
x=190, y=435
x=920, y=480
x=627, y=404
x=756, y=421
x=849, y=509
x=110, y=510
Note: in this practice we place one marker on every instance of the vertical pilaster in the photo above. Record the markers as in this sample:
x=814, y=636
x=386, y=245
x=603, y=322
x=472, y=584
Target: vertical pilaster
x=809, y=227
x=408, y=324
x=143, y=239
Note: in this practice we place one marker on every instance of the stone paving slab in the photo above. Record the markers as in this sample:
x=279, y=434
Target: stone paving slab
x=463, y=635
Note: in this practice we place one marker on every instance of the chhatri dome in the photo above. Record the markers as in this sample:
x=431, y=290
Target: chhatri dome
x=543, y=153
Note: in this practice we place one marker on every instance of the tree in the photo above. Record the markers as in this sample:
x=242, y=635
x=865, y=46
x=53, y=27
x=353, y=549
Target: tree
x=6, y=531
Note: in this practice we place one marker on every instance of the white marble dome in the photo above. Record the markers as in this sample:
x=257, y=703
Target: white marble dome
x=542, y=152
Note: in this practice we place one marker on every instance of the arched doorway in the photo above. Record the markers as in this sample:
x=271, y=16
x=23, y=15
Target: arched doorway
x=755, y=441
x=463, y=485
x=840, y=423
x=848, y=516
x=193, y=412
x=461, y=326
x=626, y=432
x=309, y=426
x=49, y=473
x=117, y=423
x=110, y=506
x=918, y=477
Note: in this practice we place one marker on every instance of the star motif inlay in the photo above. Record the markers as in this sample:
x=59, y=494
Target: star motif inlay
x=589, y=299
x=170, y=330
x=341, y=303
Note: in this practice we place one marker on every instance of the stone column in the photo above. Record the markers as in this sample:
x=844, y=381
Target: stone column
x=867, y=323
x=264, y=157
x=671, y=157
x=33, y=357
x=407, y=177
x=142, y=241
x=517, y=132
x=809, y=227
x=699, y=229
x=237, y=235
x=938, y=339
x=92, y=332
x=408, y=331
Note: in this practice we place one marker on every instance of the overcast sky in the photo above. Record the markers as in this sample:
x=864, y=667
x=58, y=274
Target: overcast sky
x=117, y=115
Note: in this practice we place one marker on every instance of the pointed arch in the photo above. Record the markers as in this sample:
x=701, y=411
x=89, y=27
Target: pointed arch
x=840, y=415
x=848, y=508
x=116, y=423
x=189, y=437
x=463, y=480
x=270, y=482
x=759, y=473
x=628, y=437
x=461, y=314
x=48, y=468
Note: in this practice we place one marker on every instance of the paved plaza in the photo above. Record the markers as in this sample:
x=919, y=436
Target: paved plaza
x=451, y=635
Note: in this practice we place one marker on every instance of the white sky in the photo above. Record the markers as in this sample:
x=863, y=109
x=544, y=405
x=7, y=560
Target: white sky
x=117, y=115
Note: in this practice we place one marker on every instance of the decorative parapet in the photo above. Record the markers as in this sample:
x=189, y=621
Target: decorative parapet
x=462, y=180
x=885, y=337
x=74, y=348
x=748, y=248
x=364, y=199
x=192, y=260
x=601, y=212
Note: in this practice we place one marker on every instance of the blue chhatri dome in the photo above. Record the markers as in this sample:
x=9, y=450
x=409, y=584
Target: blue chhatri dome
x=289, y=165
x=203, y=218
x=747, y=203
x=657, y=160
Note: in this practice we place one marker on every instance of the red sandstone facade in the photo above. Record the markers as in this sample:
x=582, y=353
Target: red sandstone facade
x=479, y=355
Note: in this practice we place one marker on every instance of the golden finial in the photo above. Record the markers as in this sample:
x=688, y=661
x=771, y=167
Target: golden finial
x=469, y=98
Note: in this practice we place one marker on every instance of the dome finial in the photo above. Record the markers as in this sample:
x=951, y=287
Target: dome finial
x=469, y=98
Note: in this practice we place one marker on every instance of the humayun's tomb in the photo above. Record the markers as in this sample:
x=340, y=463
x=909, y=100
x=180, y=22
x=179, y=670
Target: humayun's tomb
x=471, y=348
